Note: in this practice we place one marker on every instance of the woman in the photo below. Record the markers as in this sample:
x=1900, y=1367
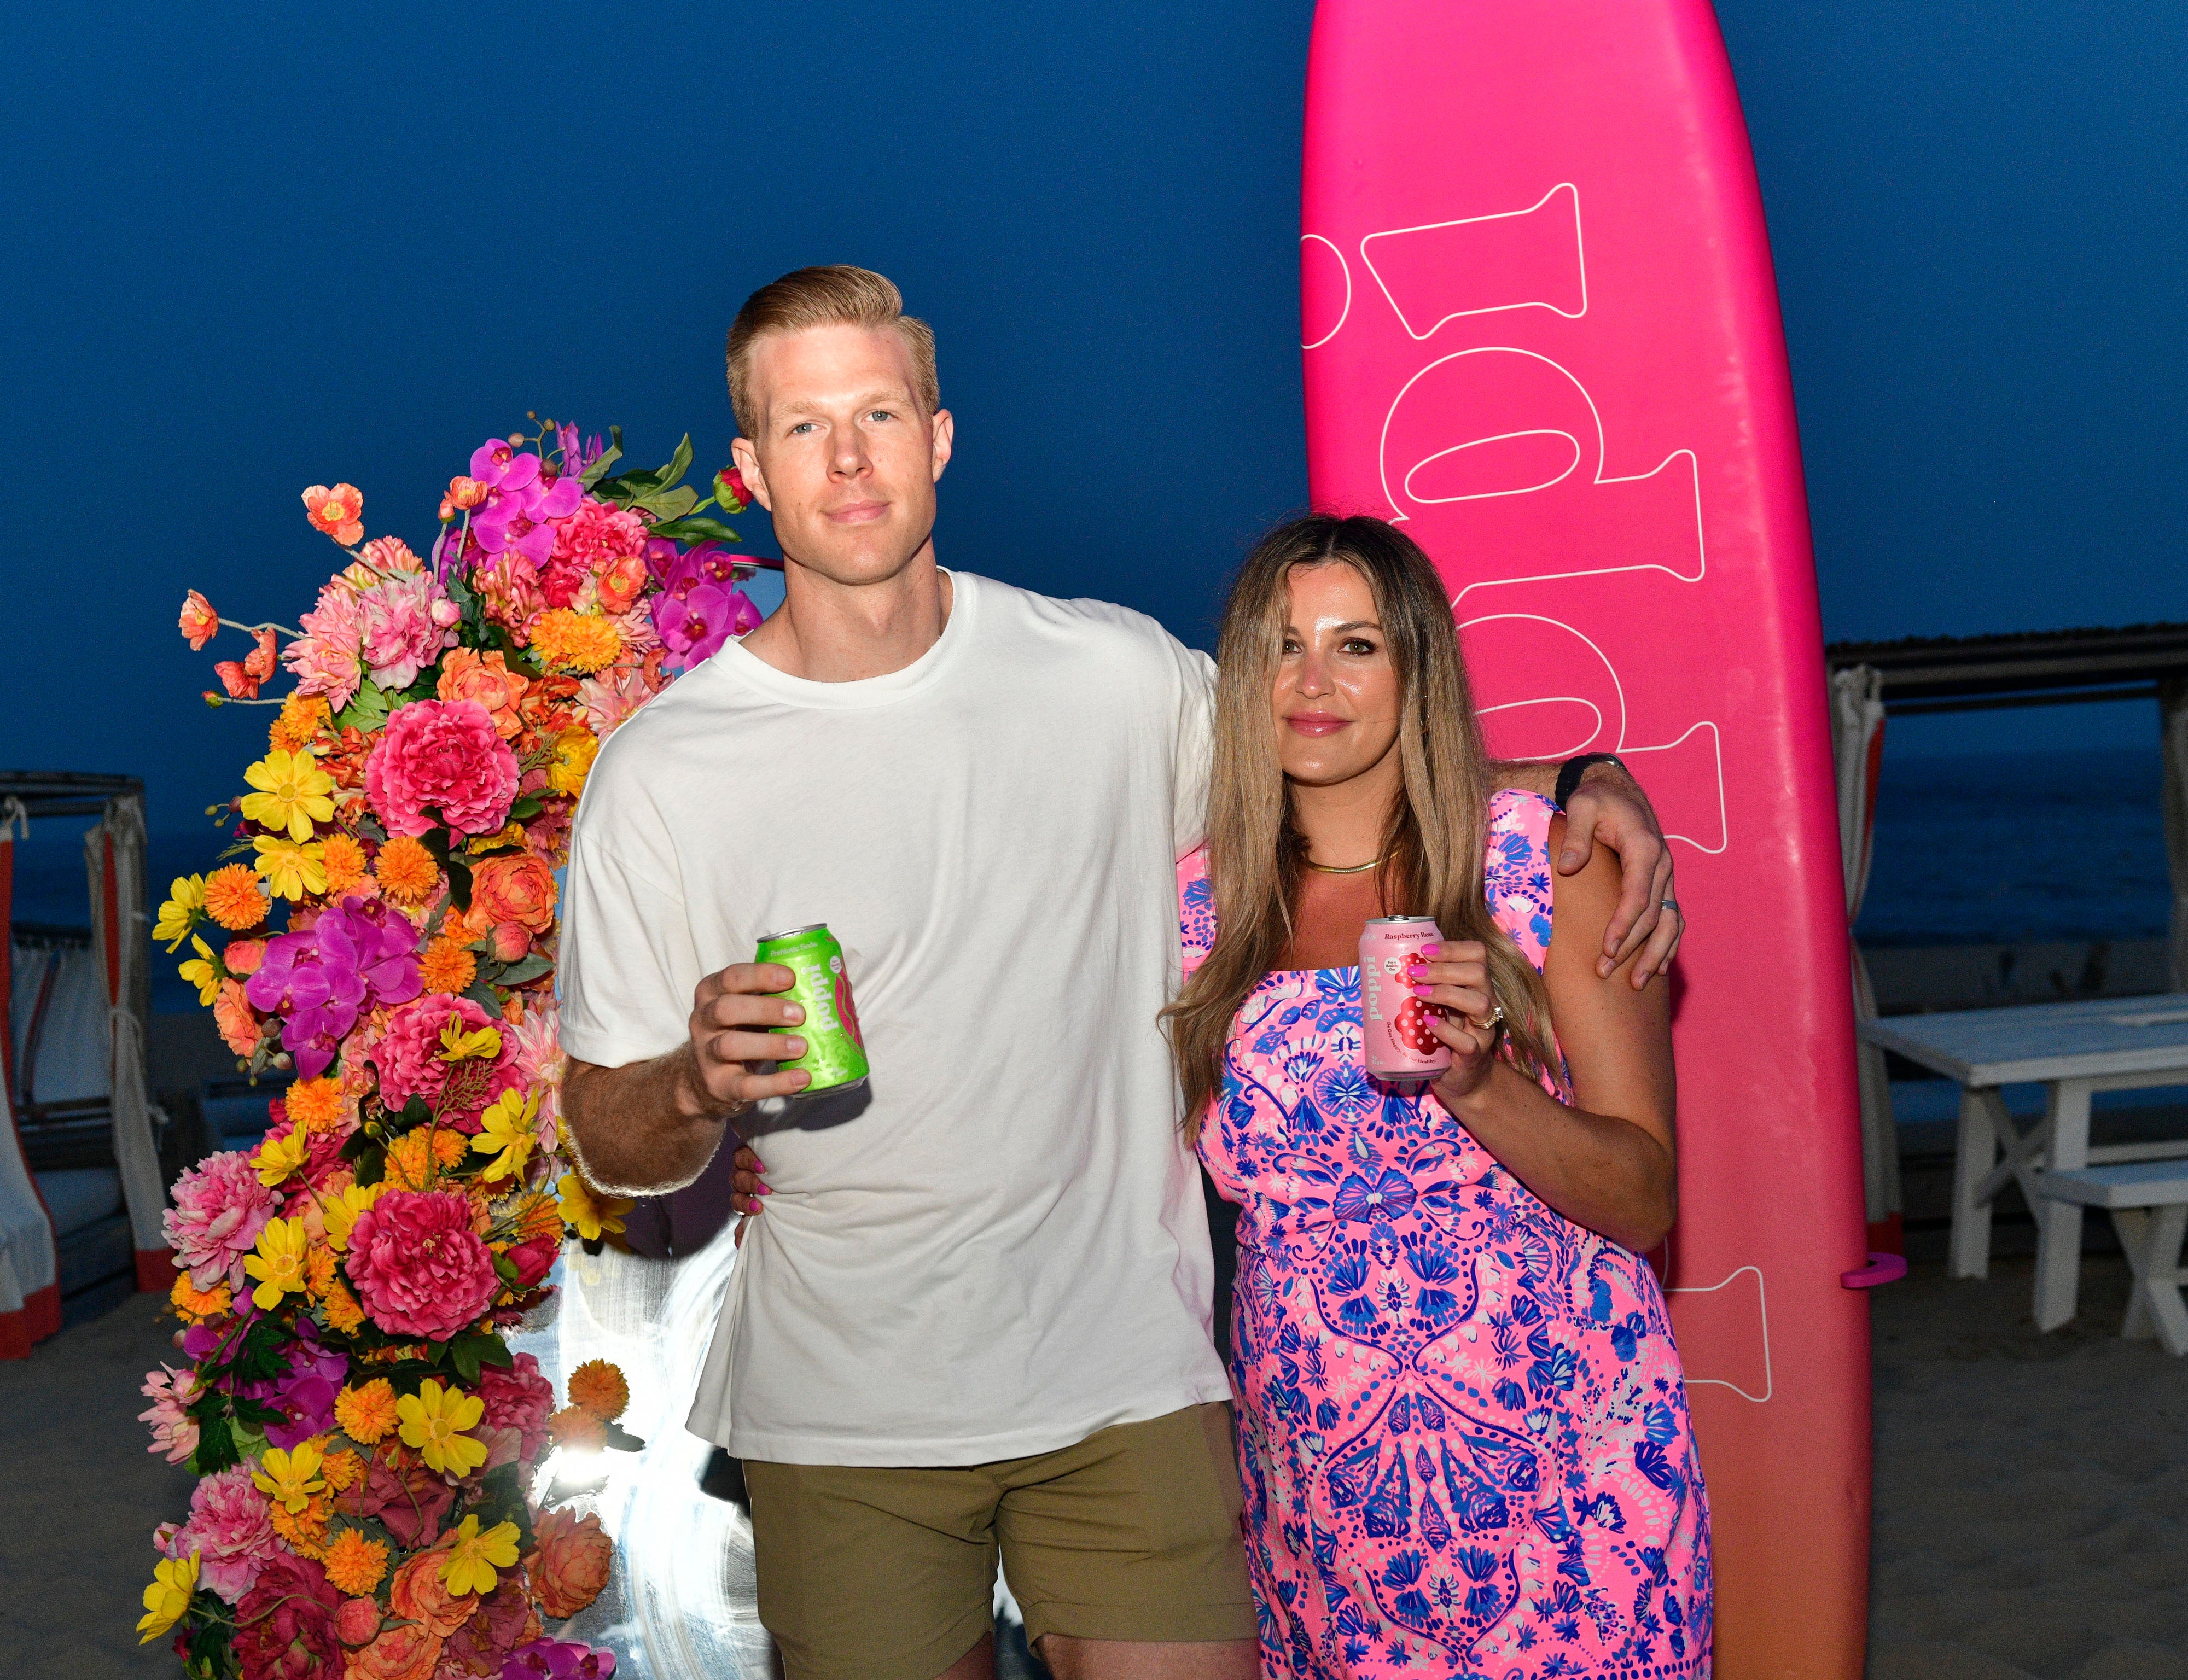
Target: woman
x=1462, y=1429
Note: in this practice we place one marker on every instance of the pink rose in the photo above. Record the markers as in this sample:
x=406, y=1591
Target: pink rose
x=518, y=1398
x=440, y=761
x=230, y=1527
x=402, y=632
x=284, y=1627
x=407, y=1055
x=358, y=1621
x=220, y=1208
x=418, y=1268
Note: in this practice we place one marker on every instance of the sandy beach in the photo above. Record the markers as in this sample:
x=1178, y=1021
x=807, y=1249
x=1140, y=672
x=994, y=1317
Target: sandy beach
x=2032, y=1492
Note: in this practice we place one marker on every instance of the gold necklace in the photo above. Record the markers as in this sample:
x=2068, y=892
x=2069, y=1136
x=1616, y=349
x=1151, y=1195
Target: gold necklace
x=1347, y=868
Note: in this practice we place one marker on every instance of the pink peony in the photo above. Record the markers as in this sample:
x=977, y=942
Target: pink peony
x=440, y=762
x=231, y=1528
x=174, y=1431
x=511, y=589
x=220, y=1208
x=418, y=1268
x=389, y=554
x=286, y=1626
x=328, y=659
x=612, y=696
x=407, y=621
x=407, y=1054
x=518, y=1398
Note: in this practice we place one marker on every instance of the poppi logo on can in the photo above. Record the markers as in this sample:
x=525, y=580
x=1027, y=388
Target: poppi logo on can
x=835, y=1052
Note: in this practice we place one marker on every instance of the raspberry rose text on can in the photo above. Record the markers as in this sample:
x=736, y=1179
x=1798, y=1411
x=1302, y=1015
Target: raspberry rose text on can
x=1394, y=1030
x=835, y=1053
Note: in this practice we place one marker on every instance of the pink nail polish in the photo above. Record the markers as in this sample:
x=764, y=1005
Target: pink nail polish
x=1431, y=950
x=1422, y=991
x=764, y=1191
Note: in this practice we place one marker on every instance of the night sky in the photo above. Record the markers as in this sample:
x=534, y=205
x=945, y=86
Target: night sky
x=253, y=248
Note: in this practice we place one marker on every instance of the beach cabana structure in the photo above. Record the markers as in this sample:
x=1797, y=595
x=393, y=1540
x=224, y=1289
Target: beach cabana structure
x=1874, y=681
x=81, y=1187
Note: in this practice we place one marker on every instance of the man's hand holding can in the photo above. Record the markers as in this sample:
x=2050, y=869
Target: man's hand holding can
x=739, y=1019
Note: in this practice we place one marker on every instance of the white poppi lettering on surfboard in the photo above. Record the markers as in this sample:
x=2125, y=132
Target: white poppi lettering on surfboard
x=1545, y=340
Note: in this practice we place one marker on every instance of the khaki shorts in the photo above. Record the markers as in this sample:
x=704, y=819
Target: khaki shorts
x=889, y=1573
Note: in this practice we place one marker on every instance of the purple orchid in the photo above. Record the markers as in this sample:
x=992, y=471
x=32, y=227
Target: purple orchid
x=322, y=979
x=558, y=1659
x=521, y=506
x=306, y=1397
x=577, y=456
x=700, y=606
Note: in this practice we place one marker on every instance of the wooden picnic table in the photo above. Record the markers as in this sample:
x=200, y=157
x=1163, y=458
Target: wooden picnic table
x=2074, y=1049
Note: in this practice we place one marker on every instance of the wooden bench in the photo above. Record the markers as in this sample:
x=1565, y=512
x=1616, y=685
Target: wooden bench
x=2148, y=1201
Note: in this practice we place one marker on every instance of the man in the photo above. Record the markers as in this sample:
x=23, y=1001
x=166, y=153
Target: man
x=976, y=1317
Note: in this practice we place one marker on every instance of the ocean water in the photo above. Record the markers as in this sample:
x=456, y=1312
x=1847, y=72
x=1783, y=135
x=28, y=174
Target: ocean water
x=2010, y=846
x=1983, y=847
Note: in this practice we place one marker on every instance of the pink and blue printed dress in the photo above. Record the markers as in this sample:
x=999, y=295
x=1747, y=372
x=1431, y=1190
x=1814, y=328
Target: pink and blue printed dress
x=1462, y=1426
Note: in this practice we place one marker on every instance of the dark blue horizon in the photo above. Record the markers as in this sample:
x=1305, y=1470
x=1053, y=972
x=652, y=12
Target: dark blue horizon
x=257, y=249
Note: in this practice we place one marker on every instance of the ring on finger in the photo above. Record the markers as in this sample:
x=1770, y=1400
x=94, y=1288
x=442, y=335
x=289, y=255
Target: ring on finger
x=1495, y=1017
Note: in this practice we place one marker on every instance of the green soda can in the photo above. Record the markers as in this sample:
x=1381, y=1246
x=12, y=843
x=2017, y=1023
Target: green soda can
x=835, y=1053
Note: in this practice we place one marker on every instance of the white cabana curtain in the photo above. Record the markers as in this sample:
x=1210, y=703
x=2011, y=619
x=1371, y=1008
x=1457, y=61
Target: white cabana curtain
x=2173, y=732
x=30, y=1271
x=120, y=934
x=1857, y=753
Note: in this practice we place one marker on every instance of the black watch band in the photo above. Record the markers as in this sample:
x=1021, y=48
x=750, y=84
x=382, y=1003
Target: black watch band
x=1571, y=772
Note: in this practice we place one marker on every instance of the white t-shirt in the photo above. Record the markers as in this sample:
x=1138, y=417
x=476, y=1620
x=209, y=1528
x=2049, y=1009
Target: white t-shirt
x=997, y=1247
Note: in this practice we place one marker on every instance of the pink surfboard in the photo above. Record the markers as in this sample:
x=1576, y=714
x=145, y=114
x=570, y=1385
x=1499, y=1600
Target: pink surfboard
x=1541, y=328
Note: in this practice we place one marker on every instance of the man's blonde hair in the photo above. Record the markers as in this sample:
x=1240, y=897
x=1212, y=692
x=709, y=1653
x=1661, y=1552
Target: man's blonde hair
x=834, y=294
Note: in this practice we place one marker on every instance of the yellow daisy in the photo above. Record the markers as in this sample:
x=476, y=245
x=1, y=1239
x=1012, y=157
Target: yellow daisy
x=293, y=793
x=434, y=1420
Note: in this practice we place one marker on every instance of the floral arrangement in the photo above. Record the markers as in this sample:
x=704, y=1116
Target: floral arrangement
x=371, y=1503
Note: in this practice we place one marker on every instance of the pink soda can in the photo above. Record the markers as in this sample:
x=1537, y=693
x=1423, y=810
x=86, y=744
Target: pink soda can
x=1394, y=1030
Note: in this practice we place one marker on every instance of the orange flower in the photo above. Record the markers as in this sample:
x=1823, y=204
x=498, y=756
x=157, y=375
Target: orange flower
x=342, y=1471
x=241, y=957
x=600, y=1388
x=408, y=1157
x=447, y=967
x=366, y=1414
x=319, y=1270
x=574, y=1426
x=192, y=1304
x=575, y=641
x=417, y=1594
x=259, y=662
x=306, y=1530
x=315, y=1104
x=298, y=723
x=231, y=1013
x=463, y=493
x=235, y=899
x=355, y=1565
x=486, y=678
x=390, y=553
x=336, y=511
x=199, y=620
x=570, y=1565
x=406, y=870
x=341, y=1307
x=519, y=889
x=344, y=863
x=539, y=1217
x=403, y=1652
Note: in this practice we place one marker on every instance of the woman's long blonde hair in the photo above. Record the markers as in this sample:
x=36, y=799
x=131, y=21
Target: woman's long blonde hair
x=1433, y=837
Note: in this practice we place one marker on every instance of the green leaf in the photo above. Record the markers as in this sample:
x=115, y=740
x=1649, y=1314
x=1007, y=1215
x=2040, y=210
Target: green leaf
x=495, y=1351
x=216, y=1447
x=257, y=1413
x=609, y=457
x=622, y=1441
x=504, y=1269
x=665, y=504
x=528, y=968
x=459, y=885
x=481, y=992
x=679, y=463
x=464, y=1354
x=416, y=1111
x=695, y=529
x=367, y=710
x=527, y=808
